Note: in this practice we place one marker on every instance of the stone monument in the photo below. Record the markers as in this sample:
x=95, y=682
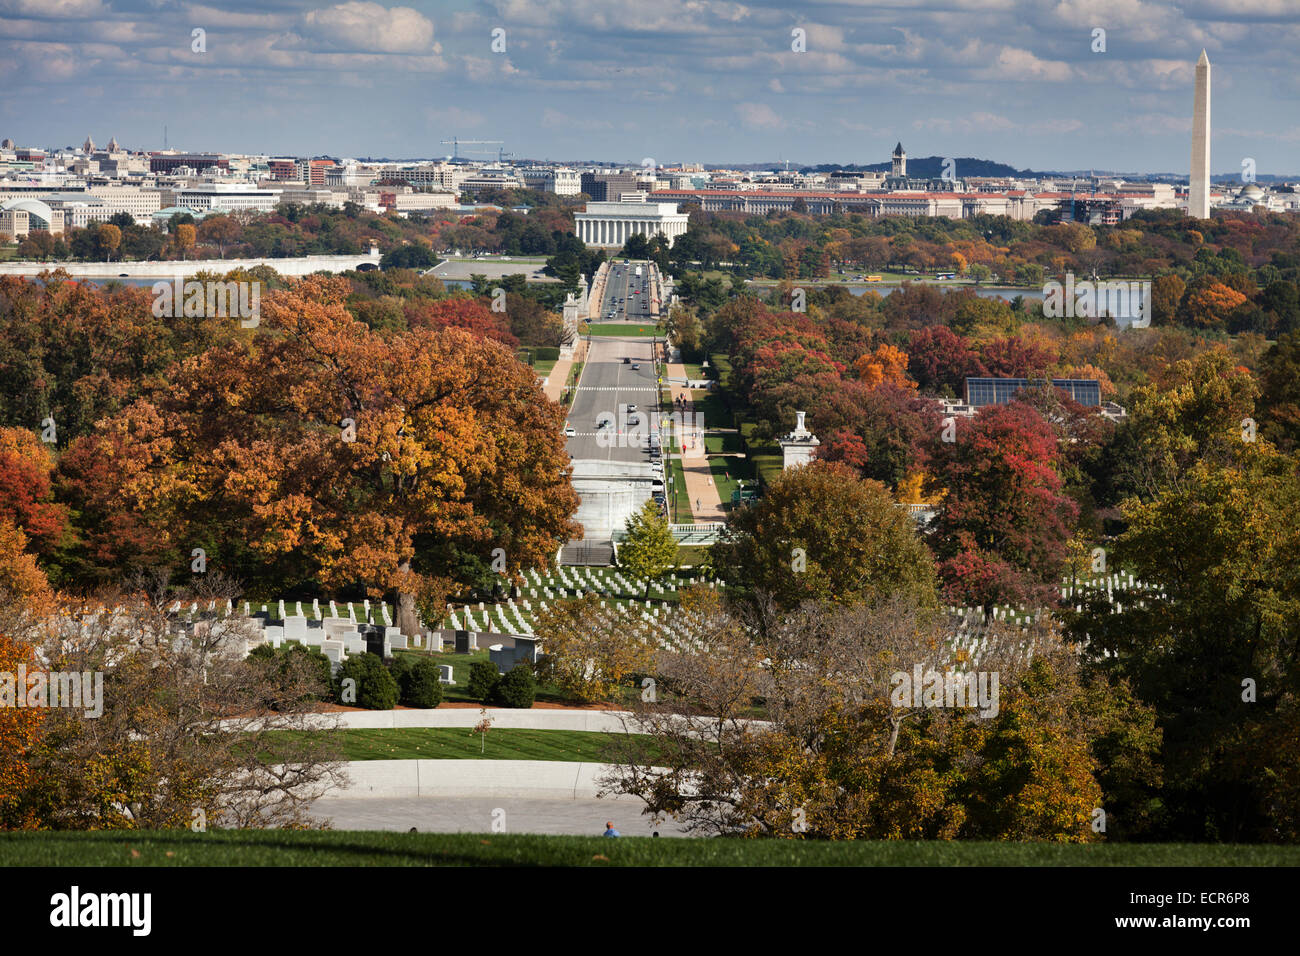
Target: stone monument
x=798, y=447
x=1198, y=187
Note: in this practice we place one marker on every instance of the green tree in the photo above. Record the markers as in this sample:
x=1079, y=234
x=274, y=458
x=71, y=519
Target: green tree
x=1215, y=654
x=1279, y=372
x=649, y=551
x=821, y=533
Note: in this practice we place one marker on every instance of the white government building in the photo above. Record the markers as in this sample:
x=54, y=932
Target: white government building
x=613, y=223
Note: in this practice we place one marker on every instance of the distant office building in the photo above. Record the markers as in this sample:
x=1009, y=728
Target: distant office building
x=80, y=209
x=139, y=203
x=443, y=176
x=611, y=224
x=220, y=198
x=403, y=203
x=312, y=171
x=1000, y=391
x=610, y=187
x=490, y=179
x=562, y=181
x=349, y=175
x=313, y=196
x=170, y=162
x=283, y=170
x=19, y=217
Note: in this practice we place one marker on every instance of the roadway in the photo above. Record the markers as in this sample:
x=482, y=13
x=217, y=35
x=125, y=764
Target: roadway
x=627, y=295
x=610, y=447
x=583, y=817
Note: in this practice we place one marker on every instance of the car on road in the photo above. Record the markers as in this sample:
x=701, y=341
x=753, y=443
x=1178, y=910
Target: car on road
x=636, y=367
x=631, y=407
x=570, y=431
x=626, y=360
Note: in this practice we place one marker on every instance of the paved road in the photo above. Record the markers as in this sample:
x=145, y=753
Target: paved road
x=475, y=815
x=627, y=296
x=608, y=387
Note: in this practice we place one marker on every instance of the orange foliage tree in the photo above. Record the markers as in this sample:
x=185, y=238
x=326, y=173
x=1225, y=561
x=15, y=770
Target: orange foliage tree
x=886, y=364
x=344, y=456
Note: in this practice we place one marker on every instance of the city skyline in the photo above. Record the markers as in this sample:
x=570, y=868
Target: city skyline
x=712, y=83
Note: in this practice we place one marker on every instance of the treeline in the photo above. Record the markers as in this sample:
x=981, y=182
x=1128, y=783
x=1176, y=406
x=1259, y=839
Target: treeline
x=1263, y=246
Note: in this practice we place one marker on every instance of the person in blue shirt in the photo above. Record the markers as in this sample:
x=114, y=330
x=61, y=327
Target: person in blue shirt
x=609, y=829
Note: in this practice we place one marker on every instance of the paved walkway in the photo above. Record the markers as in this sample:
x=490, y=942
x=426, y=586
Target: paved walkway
x=560, y=373
x=695, y=464
x=475, y=815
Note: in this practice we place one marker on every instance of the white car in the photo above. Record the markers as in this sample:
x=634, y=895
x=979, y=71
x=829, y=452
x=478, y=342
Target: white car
x=569, y=431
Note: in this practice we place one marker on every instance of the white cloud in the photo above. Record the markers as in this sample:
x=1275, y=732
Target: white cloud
x=760, y=116
x=54, y=9
x=368, y=27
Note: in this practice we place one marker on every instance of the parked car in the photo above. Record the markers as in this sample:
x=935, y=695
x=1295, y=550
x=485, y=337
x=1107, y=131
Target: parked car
x=569, y=431
x=626, y=360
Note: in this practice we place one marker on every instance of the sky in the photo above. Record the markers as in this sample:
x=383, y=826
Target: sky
x=1024, y=82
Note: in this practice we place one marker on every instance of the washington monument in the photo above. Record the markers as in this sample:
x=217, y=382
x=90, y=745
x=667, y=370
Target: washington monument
x=1198, y=190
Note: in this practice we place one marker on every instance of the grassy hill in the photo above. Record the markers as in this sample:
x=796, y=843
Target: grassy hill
x=370, y=848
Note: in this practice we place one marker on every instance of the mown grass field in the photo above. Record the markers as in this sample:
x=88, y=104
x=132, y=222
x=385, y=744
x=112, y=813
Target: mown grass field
x=462, y=743
x=381, y=848
x=634, y=329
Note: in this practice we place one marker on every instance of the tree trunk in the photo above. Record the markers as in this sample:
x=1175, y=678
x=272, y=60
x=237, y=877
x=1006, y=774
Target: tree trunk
x=408, y=619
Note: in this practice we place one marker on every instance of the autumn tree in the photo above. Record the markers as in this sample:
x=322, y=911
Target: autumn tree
x=26, y=495
x=591, y=650
x=1195, y=411
x=343, y=456
x=821, y=533
x=20, y=731
x=185, y=236
x=885, y=364
x=1166, y=294
x=108, y=237
x=839, y=754
x=1002, y=525
x=1206, y=304
x=187, y=731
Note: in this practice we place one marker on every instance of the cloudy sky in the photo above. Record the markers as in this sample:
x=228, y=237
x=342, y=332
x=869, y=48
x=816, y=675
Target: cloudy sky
x=1016, y=81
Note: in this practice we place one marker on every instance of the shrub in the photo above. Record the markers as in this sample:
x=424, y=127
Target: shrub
x=483, y=677
x=292, y=664
x=417, y=680
x=517, y=688
x=313, y=659
x=376, y=689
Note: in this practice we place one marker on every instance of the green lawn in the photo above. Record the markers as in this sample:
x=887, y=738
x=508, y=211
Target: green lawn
x=711, y=406
x=690, y=555
x=724, y=477
x=461, y=743
x=384, y=848
x=543, y=367
x=643, y=329
x=682, y=498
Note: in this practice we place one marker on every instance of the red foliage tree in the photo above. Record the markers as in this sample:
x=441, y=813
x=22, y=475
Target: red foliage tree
x=1002, y=528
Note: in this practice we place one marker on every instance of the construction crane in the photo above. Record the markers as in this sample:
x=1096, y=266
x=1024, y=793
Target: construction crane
x=456, y=141
x=501, y=156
